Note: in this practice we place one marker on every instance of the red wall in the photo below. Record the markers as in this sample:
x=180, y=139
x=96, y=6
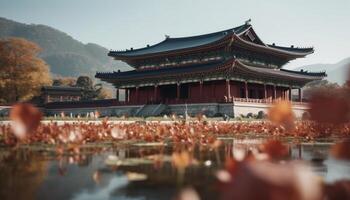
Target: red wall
x=145, y=94
x=212, y=91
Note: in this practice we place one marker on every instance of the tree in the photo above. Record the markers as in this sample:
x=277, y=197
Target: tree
x=22, y=73
x=91, y=90
x=315, y=86
x=87, y=85
x=104, y=93
x=64, y=81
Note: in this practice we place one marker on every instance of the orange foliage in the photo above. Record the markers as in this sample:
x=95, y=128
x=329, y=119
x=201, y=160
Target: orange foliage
x=181, y=160
x=23, y=73
x=191, y=133
x=282, y=114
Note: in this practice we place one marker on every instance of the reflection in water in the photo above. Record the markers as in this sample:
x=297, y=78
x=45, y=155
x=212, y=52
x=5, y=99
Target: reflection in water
x=104, y=192
x=21, y=174
x=44, y=175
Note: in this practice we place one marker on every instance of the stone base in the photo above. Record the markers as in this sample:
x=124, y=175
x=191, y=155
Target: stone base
x=208, y=109
x=243, y=108
x=104, y=111
x=235, y=109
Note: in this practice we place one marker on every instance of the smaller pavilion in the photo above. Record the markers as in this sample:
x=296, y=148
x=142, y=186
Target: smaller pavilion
x=60, y=93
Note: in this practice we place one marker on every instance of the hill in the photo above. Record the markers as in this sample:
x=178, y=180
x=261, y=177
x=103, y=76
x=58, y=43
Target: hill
x=336, y=72
x=65, y=55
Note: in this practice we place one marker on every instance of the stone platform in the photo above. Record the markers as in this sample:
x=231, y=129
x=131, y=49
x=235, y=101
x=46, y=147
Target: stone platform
x=234, y=109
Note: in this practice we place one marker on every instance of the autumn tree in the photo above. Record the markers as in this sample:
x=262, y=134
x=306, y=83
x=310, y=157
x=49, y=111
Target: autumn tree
x=104, y=93
x=22, y=72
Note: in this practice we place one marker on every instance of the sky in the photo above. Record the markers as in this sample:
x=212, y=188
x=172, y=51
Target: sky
x=121, y=24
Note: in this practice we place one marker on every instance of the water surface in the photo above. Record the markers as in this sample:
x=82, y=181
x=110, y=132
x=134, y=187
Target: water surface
x=100, y=172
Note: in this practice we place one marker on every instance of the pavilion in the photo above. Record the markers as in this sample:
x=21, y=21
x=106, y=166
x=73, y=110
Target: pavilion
x=226, y=66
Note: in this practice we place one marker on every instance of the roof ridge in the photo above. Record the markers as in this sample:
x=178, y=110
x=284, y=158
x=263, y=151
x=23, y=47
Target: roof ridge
x=232, y=30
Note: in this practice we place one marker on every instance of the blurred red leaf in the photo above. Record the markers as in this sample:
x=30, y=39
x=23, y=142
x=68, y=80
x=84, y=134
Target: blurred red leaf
x=270, y=181
x=341, y=150
x=275, y=149
x=329, y=107
x=230, y=164
x=337, y=190
x=26, y=118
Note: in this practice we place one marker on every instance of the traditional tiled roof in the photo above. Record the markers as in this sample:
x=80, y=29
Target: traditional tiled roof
x=293, y=49
x=290, y=52
x=173, y=44
x=66, y=88
x=61, y=90
x=164, y=71
x=233, y=68
x=187, y=43
x=282, y=73
x=83, y=103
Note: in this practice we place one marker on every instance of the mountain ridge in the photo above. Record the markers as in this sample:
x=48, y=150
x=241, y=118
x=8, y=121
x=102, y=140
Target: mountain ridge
x=336, y=72
x=65, y=55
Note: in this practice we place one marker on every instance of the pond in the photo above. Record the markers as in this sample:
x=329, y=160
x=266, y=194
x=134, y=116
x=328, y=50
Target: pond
x=130, y=172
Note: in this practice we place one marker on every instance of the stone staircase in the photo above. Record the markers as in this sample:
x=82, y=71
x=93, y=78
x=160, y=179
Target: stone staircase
x=150, y=110
x=159, y=109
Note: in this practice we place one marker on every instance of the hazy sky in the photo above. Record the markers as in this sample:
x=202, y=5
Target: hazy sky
x=116, y=24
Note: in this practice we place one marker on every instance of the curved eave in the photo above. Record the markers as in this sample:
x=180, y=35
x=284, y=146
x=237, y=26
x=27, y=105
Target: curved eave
x=289, y=54
x=314, y=74
x=166, y=72
x=276, y=73
x=213, y=44
x=231, y=68
x=305, y=51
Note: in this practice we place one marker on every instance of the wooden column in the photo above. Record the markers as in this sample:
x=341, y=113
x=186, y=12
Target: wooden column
x=177, y=92
x=228, y=92
x=155, y=92
x=290, y=94
x=274, y=92
x=300, y=95
x=117, y=94
x=126, y=95
x=265, y=92
x=246, y=89
x=201, y=90
x=137, y=95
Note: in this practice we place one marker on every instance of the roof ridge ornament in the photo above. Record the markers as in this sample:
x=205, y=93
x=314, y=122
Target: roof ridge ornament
x=167, y=36
x=247, y=22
